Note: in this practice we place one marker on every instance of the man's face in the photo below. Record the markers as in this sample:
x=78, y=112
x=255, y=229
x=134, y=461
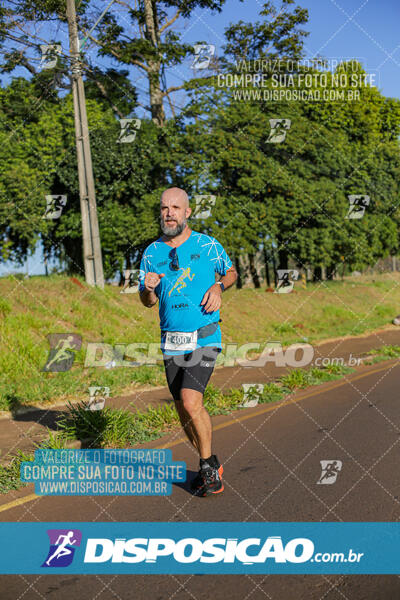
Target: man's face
x=174, y=213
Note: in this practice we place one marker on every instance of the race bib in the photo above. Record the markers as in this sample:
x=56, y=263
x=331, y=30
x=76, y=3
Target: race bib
x=180, y=340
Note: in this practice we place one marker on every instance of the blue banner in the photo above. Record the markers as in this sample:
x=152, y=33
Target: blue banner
x=200, y=548
x=103, y=472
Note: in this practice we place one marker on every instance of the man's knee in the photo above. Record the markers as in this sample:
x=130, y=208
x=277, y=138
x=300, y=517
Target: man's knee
x=192, y=400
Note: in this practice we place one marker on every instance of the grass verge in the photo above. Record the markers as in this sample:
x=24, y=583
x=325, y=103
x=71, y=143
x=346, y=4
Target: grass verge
x=31, y=309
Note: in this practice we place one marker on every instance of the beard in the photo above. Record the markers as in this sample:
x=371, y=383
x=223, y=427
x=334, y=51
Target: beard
x=172, y=231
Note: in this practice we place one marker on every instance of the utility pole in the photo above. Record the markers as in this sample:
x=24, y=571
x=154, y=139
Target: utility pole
x=92, y=258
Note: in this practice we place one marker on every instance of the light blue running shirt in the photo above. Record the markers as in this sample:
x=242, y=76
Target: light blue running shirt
x=181, y=292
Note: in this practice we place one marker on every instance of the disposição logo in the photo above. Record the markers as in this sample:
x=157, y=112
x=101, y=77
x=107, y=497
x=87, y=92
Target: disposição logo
x=63, y=543
x=190, y=550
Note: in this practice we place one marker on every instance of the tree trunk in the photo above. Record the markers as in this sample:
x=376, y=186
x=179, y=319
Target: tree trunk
x=330, y=272
x=239, y=282
x=253, y=271
x=266, y=262
x=317, y=274
x=154, y=73
x=283, y=258
x=274, y=267
x=156, y=96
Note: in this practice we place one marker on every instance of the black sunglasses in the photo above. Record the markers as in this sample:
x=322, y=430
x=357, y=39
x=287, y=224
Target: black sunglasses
x=174, y=264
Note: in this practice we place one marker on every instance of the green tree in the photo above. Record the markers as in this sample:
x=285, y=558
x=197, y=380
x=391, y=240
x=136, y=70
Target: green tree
x=129, y=178
x=293, y=196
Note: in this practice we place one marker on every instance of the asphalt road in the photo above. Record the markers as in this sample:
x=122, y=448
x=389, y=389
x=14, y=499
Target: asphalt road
x=271, y=456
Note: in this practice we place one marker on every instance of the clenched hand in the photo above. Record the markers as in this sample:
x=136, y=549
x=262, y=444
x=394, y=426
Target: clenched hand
x=212, y=298
x=152, y=280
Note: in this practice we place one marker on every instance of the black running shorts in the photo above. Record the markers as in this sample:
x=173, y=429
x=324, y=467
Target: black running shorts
x=192, y=370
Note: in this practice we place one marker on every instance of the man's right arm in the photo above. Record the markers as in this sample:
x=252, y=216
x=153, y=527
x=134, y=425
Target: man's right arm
x=148, y=298
x=148, y=295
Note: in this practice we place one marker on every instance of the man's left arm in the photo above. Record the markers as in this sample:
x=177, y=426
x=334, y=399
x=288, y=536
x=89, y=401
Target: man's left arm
x=229, y=279
x=212, y=298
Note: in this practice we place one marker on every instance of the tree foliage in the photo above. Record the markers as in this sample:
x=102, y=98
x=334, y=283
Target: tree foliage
x=290, y=198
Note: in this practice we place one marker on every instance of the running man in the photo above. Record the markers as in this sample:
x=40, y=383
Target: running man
x=63, y=348
x=179, y=271
x=62, y=549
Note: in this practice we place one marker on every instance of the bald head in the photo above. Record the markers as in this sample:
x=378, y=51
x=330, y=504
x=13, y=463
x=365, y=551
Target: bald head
x=175, y=211
x=175, y=194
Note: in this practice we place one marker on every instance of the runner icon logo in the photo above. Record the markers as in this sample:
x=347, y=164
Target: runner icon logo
x=204, y=204
x=63, y=543
x=54, y=206
x=129, y=128
x=50, y=54
x=279, y=128
x=62, y=351
x=252, y=392
x=357, y=205
x=330, y=470
x=203, y=54
x=97, y=397
x=131, y=282
x=286, y=279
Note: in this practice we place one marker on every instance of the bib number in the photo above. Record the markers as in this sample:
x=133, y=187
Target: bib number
x=180, y=340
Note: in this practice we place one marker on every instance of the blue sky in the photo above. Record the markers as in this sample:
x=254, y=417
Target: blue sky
x=365, y=29
x=339, y=29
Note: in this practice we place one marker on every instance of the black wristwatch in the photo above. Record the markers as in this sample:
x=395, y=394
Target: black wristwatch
x=222, y=285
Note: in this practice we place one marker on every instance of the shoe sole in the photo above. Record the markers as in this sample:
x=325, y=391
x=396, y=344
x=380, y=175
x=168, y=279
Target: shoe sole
x=211, y=493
